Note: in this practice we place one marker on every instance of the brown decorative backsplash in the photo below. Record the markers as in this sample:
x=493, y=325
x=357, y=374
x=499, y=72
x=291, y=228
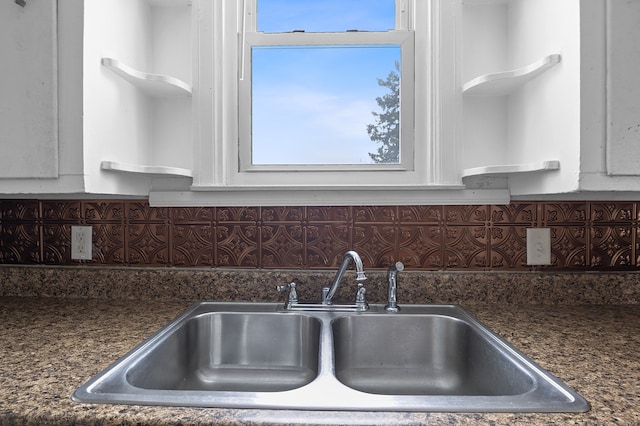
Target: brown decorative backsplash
x=585, y=235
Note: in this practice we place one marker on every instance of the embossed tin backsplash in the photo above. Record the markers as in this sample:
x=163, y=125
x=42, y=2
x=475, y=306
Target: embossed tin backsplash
x=585, y=235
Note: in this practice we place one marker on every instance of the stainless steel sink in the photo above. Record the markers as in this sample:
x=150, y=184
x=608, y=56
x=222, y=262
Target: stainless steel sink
x=423, y=355
x=256, y=355
x=233, y=351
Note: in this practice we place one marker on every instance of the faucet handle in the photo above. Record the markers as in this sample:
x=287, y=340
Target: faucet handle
x=293, y=294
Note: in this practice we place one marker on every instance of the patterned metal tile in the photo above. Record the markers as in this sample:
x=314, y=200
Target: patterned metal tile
x=282, y=214
x=56, y=237
x=20, y=242
x=147, y=244
x=612, y=212
x=466, y=247
x=375, y=244
x=325, y=242
x=329, y=214
x=636, y=245
x=508, y=247
x=569, y=247
x=192, y=245
x=237, y=237
x=191, y=215
x=421, y=214
x=20, y=210
x=466, y=215
x=375, y=214
x=109, y=244
x=61, y=211
x=421, y=246
x=139, y=211
x=282, y=246
x=103, y=211
x=237, y=245
x=611, y=246
x=514, y=213
x=561, y=213
x=237, y=214
x=585, y=235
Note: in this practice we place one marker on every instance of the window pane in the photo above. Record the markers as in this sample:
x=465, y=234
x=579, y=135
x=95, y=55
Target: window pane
x=317, y=105
x=325, y=15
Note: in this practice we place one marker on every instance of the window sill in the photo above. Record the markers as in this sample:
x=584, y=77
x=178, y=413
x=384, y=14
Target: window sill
x=301, y=196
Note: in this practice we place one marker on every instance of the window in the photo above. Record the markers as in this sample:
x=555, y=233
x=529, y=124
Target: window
x=262, y=72
x=314, y=106
x=313, y=71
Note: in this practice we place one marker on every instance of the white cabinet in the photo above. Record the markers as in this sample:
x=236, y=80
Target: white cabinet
x=97, y=99
x=520, y=62
x=28, y=91
x=139, y=71
x=137, y=101
x=551, y=97
x=623, y=88
x=124, y=98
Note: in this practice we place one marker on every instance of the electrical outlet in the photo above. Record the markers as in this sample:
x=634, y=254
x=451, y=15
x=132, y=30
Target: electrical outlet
x=81, y=242
x=538, y=246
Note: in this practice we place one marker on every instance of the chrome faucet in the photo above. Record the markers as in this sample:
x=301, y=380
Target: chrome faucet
x=392, y=289
x=360, y=304
x=328, y=293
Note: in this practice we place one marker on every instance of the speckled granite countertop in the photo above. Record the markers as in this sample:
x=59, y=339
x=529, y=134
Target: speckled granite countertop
x=59, y=326
x=49, y=346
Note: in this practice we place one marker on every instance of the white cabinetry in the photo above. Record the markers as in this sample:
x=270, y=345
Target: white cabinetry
x=28, y=91
x=520, y=82
x=623, y=87
x=124, y=97
x=137, y=101
x=97, y=99
x=551, y=97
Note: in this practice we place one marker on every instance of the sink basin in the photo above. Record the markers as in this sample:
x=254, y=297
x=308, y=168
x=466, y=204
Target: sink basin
x=244, y=352
x=257, y=355
x=423, y=355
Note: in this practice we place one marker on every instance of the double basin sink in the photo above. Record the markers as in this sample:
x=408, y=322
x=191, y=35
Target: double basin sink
x=258, y=355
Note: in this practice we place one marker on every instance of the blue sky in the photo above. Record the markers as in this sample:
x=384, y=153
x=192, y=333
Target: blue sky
x=314, y=103
x=325, y=15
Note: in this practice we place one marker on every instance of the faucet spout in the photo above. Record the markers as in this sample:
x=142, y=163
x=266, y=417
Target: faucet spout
x=348, y=257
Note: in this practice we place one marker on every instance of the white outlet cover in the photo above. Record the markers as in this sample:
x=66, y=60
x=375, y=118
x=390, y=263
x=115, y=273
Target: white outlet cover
x=81, y=243
x=538, y=246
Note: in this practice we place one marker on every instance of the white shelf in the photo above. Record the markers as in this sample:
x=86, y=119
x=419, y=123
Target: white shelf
x=503, y=83
x=509, y=169
x=147, y=170
x=155, y=85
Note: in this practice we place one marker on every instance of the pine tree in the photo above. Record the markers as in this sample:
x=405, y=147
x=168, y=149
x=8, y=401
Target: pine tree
x=386, y=129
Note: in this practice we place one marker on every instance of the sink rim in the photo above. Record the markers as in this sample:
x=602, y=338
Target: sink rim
x=326, y=392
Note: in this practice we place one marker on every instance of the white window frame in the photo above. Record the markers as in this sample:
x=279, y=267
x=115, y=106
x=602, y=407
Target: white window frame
x=402, y=38
x=435, y=176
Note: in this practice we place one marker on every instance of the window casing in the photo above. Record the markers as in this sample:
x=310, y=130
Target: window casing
x=402, y=39
x=426, y=31
x=299, y=41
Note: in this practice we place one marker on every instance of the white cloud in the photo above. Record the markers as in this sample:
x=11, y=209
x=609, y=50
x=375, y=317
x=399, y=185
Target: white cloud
x=295, y=123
